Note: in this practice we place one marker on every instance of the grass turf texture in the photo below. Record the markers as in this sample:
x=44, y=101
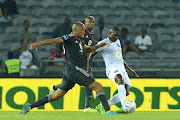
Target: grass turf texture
x=68, y=115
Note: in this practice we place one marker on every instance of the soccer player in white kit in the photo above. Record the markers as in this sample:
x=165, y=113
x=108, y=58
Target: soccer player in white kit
x=115, y=67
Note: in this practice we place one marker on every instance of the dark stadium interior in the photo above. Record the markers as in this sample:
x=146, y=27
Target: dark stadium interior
x=160, y=17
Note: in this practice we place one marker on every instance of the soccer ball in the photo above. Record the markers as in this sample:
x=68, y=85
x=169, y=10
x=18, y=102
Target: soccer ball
x=129, y=106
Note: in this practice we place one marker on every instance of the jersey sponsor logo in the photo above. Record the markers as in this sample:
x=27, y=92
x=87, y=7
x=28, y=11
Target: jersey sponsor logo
x=90, y=42
x=118, y=55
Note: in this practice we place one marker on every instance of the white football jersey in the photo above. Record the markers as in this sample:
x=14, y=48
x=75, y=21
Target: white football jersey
x=112, y=55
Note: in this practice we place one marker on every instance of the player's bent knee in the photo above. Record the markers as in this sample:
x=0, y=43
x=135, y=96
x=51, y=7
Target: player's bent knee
x=118, y=79
x=96, y=86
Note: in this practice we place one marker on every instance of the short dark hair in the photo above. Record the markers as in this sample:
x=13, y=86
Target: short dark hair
x=101, y=19
x=25, y=21
x=116, y=28
x=143, y=28
x=124, y=30
x=10, y=55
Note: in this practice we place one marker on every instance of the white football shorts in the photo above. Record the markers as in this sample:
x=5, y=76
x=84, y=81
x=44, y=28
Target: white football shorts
x=114, y=71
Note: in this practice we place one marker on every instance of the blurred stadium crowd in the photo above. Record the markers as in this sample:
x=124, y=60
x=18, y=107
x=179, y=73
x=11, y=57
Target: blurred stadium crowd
x=161, y=18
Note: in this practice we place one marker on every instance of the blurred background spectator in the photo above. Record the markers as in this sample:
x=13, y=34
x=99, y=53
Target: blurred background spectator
x=63, y=29
x=26, y=57
x=127, y=42
x=10, y=8
x=58, y=56
x=3, y=20
x=143, y=41
x=101, y=31
x=12, y=65
x=1, y=10
x=24, y=33
x=160, y=17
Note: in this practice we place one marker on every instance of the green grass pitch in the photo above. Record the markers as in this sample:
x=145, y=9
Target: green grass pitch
x=68, y=115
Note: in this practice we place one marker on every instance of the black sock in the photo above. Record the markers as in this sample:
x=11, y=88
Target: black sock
x=41, y=102
x=102, y=97
x=88, y=97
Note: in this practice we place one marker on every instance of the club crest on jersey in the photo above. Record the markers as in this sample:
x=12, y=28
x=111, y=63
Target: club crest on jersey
x=118, y=55
x=87, y=36
x=90, y=42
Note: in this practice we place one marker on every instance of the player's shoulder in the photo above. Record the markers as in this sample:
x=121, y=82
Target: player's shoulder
x=68, y=36
x=104, y=40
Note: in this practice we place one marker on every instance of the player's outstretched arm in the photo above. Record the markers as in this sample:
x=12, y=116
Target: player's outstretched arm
x=130, y=70
x=47, y=42
x=89, y=49
x=91, y=56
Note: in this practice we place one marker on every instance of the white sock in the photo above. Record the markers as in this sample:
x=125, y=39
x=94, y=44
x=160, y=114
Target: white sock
x=119, y=97
x=115, y=99
x=122, y=93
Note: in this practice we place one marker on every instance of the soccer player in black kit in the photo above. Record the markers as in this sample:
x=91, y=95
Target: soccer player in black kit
x=73, y=73
x=89, y=41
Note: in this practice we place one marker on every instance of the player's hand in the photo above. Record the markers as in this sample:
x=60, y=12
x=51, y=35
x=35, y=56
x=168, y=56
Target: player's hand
x=103, y=44
x=133, y=72
x=35, y=45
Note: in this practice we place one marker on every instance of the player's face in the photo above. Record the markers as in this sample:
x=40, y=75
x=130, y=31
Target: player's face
x=90, y=23
x=143, y=31
x=114, y=35
x=26, y=25
x=81, y=32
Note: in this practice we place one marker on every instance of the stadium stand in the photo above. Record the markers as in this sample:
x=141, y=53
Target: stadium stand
x=161, y=17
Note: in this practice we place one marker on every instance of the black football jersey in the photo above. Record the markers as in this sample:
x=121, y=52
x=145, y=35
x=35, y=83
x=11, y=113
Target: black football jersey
x=89, y=41
x=73, y=49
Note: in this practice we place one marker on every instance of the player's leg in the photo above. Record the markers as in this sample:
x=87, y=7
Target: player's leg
x=116, y=99
x=116, y=76
x=127, y=93
x=127, y=87
x=63, y=89
x=83, y=78
x=88, y=101
x=101, y=95
x=121, y=88
x=121, y=95
x=49, y=98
